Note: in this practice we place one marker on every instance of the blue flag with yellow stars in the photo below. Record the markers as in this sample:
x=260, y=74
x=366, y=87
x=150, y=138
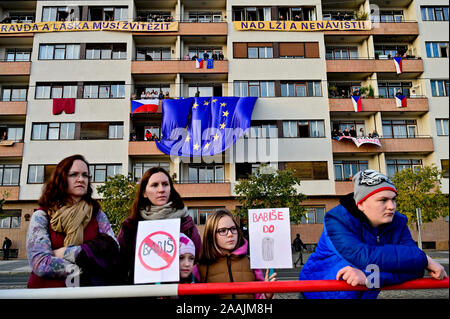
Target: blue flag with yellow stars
x=203, y=126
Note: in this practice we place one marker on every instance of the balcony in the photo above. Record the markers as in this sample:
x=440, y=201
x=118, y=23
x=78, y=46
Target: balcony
x=422, y=145
x=143, y=148
x=384, y=28
x=15, y=68
x=177, y=66
x=10, y=149
x=343, y=187
x=12, y=191
x=371, y=105
x=372, y=66
x=204, y=190
x=13, y=108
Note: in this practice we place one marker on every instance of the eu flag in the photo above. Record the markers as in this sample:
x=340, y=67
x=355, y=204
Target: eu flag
x=203, y=126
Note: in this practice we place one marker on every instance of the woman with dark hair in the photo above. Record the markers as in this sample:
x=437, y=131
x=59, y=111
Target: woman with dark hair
x=224, y=255
x=155, y=199
x=69, y=233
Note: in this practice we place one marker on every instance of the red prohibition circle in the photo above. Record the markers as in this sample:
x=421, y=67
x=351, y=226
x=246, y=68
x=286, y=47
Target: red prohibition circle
x=169, y=259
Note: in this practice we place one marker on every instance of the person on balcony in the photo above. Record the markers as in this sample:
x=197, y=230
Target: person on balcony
x=365, y=241
x=221, y=57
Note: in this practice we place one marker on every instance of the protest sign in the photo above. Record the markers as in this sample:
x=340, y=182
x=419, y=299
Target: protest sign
x=157, y=243
x=270, y=238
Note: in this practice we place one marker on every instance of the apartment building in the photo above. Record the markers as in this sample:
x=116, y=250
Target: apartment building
x=303, y=80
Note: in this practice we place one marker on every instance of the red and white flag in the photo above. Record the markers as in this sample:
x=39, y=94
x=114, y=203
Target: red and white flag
x=199, y=63
x=357, y=105
x=398, y=64
x=400, y=100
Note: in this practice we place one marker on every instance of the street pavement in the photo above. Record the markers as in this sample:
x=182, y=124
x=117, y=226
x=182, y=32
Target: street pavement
x=14, y=275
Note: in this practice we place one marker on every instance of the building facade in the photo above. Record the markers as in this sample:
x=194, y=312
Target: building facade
x=304, y=81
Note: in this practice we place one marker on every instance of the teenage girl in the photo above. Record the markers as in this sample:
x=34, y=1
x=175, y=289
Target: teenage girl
x=224, y=255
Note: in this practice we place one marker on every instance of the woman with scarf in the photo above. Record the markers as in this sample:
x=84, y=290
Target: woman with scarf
x=155, y=199
x=70, y=241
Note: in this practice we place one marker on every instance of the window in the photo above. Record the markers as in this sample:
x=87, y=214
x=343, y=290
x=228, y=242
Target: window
x=254, y=88
x=115, y=131
x=442, y=127
x=341, y=53
x=10, y=218
x=314, y=215
x=437, y=49
x=345, y=170
x=444, y=167
x=56, y=90
x=263, y=131
x=95, y=51
x=53, y=131
x=206, y=173
x=303, y=128
x=108, y=14
x=434, y=13
x=309, y=170
x=15, y=134
x=14, y=94
x=439, y=87
x=39, y=174
x=99, y=172
x=399, y=128
x=260, y=52
x=209, y=17
x=56, y=14
x=390, y=89
x=18, y=55
x=140, y=168
x=310, y=88
x=200, y=214
x=9, y=174
x=394, y=166
x=103, y=90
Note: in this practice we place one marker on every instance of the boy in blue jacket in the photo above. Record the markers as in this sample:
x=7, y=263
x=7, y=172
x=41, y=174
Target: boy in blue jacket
x=366, y=242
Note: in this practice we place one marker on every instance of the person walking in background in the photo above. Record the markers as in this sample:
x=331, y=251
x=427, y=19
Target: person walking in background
x=69, y=233
x=365, y=230
x=156, y=199
x=298, y=247
x=7, y=243
x=224, y=255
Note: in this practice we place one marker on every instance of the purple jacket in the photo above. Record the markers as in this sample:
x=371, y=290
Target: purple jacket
x=127, y=242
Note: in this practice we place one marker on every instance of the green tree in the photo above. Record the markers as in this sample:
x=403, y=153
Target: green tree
x=5, y=195
x=420, y=188
x=118, y=194
x=270, y=190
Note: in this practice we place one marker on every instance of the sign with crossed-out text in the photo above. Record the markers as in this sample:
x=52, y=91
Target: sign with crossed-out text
x=157, y=250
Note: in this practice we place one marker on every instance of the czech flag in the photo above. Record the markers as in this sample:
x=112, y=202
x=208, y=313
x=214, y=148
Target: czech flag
x=199, y=63
x=357, y=105
x=400, y=100
x=398, y=64
x=144, y=106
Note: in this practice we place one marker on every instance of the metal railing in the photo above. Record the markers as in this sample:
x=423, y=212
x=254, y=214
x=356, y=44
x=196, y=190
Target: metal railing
x=131, y=291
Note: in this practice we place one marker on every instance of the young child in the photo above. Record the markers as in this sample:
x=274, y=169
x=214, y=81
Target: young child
x=224, y=255
x=187, y=257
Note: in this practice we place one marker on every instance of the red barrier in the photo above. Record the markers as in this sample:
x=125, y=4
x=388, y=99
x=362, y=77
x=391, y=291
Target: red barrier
x=298, y=285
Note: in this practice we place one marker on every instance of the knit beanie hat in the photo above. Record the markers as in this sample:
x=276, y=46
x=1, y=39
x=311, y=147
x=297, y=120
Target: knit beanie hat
x=186, y=245
x=369, y=182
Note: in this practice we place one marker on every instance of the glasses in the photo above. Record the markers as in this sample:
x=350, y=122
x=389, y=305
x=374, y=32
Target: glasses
x=224, y=231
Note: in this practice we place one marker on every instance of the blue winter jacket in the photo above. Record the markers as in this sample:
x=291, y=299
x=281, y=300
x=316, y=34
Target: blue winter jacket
x=348, y=239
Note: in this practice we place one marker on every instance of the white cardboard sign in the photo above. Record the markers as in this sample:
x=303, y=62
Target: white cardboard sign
x=270, y=238
x=157, y=246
